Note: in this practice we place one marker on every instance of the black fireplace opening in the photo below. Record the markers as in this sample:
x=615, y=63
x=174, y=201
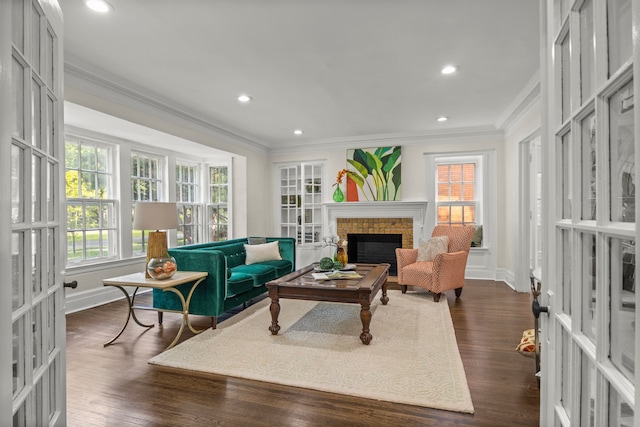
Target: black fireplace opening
x=375, y=249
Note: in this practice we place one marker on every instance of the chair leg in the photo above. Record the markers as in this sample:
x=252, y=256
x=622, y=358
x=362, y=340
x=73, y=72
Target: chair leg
x=160, y=313
x=436, y=297
x=214, y=322
x=458, y=292
x=404, y=289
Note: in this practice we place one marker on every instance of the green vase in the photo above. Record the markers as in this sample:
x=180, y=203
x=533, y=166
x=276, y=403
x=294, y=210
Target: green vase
x=338, y=195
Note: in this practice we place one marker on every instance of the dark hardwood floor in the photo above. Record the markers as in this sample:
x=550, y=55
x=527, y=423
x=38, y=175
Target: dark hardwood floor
x=114, y=386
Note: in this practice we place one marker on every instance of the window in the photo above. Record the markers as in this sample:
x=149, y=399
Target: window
x=187, y=198
x=146, y=186
x=105, y=178
x=457, y=198
x=217, y=204
x=91, y=206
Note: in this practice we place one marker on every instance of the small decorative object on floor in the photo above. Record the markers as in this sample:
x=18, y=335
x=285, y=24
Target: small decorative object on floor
x=162, y=268
x=338, y=195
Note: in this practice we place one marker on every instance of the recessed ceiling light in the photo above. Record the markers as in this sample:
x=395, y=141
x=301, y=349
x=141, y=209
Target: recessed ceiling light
x=298, y=132
x=449, y=69
x=244, y=98
x=442, y=119
x=99, y=6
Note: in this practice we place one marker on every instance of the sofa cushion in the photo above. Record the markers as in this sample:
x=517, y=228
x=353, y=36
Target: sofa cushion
x=261, y=272
x=264, y=252
x=238, y=283
x=282, y=266
x=233, y=253
x=257, y=240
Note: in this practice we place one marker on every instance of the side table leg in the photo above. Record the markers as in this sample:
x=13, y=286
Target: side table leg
x=129, y=316
x=275, y=312
x=133, y=312
x=185, y=316
x=186, y=307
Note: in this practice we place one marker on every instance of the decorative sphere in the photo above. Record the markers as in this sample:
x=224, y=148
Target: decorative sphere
x=162, y=268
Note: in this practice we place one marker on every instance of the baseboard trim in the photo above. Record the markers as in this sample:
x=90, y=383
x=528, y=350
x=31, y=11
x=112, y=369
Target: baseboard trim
x=93, y=298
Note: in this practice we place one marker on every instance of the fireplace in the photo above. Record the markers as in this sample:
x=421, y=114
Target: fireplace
x=404, y=218
x=374, y=248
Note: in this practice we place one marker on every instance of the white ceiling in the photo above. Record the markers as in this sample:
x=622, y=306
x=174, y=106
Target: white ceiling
x=335, y=68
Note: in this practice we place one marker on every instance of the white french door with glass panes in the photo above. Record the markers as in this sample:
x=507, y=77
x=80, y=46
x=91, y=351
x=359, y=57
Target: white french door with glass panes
x=590, y=340
x=32, y=230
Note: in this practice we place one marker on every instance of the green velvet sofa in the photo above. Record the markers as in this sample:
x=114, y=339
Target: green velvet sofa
x=230, y=282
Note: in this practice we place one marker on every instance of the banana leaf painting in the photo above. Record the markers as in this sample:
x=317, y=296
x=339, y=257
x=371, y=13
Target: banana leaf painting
x=374, y=174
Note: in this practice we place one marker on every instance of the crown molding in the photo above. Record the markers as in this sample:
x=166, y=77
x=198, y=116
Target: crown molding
x=478, y=133
x=521, y=104
x=80, y=76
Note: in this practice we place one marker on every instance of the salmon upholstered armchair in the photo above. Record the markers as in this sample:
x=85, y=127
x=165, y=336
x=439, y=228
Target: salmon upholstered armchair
x=445, y=271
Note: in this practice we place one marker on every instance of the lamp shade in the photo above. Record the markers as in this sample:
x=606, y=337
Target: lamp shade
x=155, y=216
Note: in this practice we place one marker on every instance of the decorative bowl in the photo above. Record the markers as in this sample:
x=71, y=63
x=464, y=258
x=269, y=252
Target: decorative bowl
x=162, y=268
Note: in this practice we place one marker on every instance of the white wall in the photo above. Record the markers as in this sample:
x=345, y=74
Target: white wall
x=249, y=202
x=513, y=242
x=253, y=202
x=483, y=263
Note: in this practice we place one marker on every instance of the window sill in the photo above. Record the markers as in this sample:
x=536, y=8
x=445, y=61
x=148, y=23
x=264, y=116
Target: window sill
x=102, y=265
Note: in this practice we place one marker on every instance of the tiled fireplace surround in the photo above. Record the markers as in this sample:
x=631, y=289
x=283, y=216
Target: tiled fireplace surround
x=403, y=226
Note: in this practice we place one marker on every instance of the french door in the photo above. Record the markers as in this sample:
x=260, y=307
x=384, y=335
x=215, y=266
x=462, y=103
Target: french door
x=590, y=149
x=32, y=322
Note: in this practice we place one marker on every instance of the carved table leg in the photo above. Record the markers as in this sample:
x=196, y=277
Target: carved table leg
x=275, y=311
x=384, y=298
x=365, y=316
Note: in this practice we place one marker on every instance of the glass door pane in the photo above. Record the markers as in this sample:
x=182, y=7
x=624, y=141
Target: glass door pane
x=588, y=165
x=622, y=261
x=566, y=389
x=566, y=270
x=565, y=61
x=619, y=33
x=620, y=412
x=621, y=157
x=565, y=172
x=589, y=265
x=587, y=42
x=587, y=391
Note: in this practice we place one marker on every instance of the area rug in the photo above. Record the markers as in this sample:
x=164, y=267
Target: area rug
x=412, y=359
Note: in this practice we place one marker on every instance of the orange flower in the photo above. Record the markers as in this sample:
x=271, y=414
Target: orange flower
x=341, y=174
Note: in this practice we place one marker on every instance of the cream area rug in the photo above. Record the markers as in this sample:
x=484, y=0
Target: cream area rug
x=412, y=359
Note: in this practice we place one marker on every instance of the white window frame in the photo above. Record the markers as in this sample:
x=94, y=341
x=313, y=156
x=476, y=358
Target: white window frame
x=217, y=205
x=189, y=203
x=110, y=203
x=159, y=179
x=477, y=202
x=486, y=212
x=122, y=154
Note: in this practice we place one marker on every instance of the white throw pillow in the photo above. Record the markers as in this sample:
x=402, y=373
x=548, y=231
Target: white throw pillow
x=265, y=252
x=432, y=247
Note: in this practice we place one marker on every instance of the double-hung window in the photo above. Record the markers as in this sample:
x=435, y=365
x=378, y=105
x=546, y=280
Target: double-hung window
x=92, y=207
x=458, y=193
x=217, y=203
x=188, y=203
x=146, y=186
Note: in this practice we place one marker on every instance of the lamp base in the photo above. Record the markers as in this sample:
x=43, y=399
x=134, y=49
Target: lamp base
x=156, y=248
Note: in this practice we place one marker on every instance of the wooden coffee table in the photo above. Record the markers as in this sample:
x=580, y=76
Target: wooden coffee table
x=301, y=285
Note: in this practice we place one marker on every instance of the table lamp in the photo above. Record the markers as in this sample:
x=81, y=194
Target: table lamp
x=155, y=216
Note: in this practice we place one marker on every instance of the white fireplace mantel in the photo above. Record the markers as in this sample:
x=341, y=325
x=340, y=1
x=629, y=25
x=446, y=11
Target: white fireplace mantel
x=417, y=210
